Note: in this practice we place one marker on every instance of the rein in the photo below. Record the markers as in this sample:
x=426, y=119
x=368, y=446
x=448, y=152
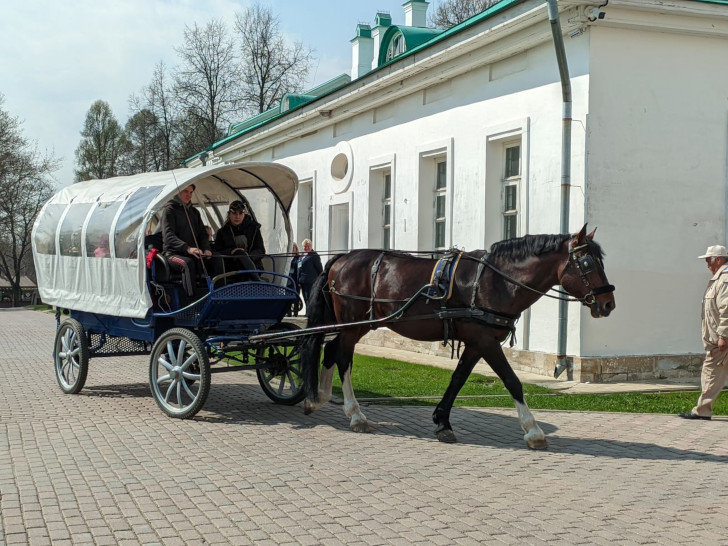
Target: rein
x=585, y=265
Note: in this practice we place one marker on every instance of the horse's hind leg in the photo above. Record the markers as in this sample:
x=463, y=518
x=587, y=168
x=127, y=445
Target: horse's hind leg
x=344, y=359
x=534, y=437
x=325, y=377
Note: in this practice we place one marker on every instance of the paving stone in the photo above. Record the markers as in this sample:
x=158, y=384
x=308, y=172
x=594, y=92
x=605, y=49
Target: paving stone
x=246, y=471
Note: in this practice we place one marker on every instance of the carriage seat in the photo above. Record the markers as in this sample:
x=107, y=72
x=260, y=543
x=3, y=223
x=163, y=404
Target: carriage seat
x=162, y=272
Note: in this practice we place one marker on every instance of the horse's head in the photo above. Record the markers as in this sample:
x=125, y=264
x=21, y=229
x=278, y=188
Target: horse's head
x=582, y=275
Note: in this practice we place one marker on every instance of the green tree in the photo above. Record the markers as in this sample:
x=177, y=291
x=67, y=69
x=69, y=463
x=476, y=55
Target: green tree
x=271, y=67
x=146, y=144
x=25, y=185
x=104, y=144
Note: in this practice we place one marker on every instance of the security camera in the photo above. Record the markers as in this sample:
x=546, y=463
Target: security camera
x=593, y=13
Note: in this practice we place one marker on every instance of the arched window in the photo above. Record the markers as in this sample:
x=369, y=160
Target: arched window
x=396, y=46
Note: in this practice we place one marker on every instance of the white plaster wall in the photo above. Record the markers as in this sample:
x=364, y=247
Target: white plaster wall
x=654, y=121
x=492, y=96
x=656, y=183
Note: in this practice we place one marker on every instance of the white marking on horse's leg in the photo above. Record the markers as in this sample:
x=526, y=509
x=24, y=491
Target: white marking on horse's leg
x=351, y=406
x=324, y=391
x=534, y=437
x=325, y=382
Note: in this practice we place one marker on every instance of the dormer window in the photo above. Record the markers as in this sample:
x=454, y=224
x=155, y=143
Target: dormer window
x=396, y=46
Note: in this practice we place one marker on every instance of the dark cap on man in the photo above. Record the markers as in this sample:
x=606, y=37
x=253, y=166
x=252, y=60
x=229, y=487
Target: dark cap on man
x=238, y=206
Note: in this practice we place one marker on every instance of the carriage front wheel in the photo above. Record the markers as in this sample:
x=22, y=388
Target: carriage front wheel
x=279, y=368
x=179, y=373
x=70, y=355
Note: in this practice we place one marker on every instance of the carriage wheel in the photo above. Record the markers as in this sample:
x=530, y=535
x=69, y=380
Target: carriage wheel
x=70, y=353
x=281, y=376
x=179, y=373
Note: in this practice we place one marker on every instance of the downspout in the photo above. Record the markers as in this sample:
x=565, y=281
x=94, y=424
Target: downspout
x=562, y=362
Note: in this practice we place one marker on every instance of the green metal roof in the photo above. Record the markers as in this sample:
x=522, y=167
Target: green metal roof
x=413, y=37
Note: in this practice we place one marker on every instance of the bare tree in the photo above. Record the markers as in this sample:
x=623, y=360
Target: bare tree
x=25, y=185
x=449, y=13
x=103, y=145
x=206, y=84
x=157, y=107
x=270, y=66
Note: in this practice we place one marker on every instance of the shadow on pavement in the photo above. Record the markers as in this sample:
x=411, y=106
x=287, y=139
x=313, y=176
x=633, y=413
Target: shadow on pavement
x=246, y=404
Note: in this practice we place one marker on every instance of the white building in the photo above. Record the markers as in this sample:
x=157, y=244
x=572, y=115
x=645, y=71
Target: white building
x=454, y=139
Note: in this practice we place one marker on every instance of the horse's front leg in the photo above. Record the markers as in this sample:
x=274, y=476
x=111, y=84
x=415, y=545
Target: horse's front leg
x=441, y=415
x=534, y=437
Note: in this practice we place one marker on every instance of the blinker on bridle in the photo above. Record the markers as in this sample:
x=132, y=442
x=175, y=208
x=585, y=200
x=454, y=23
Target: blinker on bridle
x=585, y=264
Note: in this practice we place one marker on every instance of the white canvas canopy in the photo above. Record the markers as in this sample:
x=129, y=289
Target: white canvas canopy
x=88, y=240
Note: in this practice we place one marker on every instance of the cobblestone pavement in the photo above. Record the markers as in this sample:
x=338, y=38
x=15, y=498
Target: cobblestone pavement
x=106, y=466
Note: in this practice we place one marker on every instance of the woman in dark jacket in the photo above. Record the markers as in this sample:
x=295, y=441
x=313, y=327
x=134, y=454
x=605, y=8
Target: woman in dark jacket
x=240, y=236
x=309, y=267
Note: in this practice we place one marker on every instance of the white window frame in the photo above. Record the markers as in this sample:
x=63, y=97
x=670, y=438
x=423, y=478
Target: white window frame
x=387, y=207
x=306, y=214
x=379, y=169
x=429, y=157
x=440, y=192
x=508, y=182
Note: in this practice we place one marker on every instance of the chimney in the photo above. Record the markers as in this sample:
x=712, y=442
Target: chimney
x=382, y=21
x=362, y=51
x=415, y=13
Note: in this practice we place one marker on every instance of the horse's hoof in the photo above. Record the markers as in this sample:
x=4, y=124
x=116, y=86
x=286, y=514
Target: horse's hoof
x=307, y=408
x=538, y=443
x=446, y=436
x=361, y=427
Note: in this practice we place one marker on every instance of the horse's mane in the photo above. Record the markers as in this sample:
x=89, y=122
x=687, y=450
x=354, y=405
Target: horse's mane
x=521, y=248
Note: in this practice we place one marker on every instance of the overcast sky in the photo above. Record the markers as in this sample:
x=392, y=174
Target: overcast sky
x=58, y=57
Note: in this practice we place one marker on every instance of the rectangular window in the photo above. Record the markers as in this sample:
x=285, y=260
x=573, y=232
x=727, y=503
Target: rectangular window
x=440, y=205
x=305, y=210
x=511, y=183
x=387, y=212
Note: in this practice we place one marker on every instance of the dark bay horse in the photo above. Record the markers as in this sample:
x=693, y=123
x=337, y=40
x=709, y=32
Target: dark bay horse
x=369, y=288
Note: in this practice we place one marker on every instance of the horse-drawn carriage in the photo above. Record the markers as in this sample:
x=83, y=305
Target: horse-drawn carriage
x=97, y=254
x=91, y=245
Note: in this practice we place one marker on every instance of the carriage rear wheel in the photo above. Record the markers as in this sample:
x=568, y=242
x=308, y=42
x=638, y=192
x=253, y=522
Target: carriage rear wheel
x=70, y=354
x=281, y=372
x=179, y=373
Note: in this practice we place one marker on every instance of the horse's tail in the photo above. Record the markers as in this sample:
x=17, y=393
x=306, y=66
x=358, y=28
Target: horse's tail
x=319, y=312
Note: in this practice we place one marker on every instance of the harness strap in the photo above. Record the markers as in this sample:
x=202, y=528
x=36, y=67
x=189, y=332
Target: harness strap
x=375, y=270
x=476, y=281
x=489, y=317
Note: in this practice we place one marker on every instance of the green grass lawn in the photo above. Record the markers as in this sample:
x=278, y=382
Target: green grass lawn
x=413, y=384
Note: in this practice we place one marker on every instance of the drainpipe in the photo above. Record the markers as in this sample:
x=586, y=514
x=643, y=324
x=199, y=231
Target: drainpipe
x=562, y=362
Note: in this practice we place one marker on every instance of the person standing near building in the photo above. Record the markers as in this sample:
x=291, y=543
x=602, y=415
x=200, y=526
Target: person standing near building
x=293, y=273
x=309, y=267
x=715, y=333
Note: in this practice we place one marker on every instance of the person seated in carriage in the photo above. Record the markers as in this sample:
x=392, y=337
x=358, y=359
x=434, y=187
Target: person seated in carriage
x=240, y=237
x=185, y=242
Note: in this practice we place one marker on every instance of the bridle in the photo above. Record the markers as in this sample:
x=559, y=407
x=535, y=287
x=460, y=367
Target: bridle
x=585, y=264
